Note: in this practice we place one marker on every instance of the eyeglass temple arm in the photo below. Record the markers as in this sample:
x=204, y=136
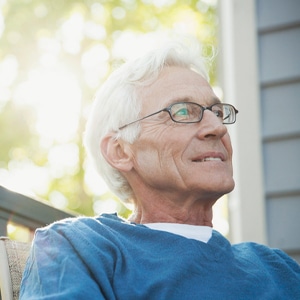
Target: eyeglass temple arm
x=122, y=127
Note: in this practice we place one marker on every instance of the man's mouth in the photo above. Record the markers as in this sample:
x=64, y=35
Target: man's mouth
x=208, y=159
x=204, y=158
x=211, y=159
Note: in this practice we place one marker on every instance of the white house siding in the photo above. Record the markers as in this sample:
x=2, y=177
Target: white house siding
x=278, y=29
x=260, y=73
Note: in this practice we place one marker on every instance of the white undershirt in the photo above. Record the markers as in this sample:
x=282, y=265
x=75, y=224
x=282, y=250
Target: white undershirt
x=200, y=233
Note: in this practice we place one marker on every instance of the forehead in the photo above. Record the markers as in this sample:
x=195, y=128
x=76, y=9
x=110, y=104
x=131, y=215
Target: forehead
x=175, y=84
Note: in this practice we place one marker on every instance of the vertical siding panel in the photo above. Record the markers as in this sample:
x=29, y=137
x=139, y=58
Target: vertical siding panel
x=273, y=13
x=260, y=74
x=279, y=55
x=280, y=105
x=278, y=30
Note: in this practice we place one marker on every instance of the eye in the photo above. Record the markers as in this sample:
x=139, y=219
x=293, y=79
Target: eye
x=218, y=111
x=180, y=111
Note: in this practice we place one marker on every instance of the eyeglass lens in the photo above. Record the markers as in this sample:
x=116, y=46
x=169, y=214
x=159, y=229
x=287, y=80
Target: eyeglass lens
x=188, y=112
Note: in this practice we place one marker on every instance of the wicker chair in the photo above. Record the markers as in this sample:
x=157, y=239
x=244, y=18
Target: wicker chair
x=13, y=256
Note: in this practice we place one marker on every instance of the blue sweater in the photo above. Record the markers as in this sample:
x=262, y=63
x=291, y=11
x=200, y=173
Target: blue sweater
x=109, y=258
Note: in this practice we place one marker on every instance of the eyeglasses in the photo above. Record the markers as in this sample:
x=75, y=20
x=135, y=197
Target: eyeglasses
x=190, y=112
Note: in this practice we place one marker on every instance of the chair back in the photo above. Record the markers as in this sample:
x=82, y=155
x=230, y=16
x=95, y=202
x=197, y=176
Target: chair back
x=13, y=256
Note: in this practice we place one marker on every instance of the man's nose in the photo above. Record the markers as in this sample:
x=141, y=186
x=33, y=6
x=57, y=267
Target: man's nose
x=211, y=125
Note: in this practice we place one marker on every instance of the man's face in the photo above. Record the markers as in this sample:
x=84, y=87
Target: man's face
x=182, y=159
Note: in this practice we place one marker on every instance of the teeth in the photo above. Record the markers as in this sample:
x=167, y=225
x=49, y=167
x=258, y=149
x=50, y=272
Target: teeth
x=211, y=159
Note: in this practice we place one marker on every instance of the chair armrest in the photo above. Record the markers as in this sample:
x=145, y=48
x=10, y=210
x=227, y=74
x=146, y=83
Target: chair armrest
x=5, y=279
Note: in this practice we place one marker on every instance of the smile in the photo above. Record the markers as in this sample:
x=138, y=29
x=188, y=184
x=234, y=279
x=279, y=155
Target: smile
x=208, y=159
x=211, y=157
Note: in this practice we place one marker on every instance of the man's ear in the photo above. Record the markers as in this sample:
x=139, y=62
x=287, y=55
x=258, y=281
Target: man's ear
x=116, y=152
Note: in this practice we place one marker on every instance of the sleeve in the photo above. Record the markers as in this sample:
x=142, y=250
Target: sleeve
x=55, y=270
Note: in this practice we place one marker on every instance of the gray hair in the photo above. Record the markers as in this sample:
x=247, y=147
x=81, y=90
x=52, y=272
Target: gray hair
x=116, y=104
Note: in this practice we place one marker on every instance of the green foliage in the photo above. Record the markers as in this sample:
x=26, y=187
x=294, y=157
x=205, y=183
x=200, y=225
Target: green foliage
x=53, y=36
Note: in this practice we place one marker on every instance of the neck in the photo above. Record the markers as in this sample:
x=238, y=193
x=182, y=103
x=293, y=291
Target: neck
x=197, y=213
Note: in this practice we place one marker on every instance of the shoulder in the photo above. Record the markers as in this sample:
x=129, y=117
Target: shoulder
x=258, y=256
x=80, y=228
x=268, y=257
x=81, y=221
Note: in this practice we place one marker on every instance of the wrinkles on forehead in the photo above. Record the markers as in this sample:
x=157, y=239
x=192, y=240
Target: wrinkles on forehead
x=175, y=84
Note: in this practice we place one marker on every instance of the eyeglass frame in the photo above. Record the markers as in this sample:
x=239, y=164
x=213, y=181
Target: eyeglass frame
x=168, y=110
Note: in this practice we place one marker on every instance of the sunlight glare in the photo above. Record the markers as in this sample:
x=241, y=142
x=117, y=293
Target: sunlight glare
x=105, y=206
x=48, y=60
x=73, y=33
x=129, y=44
x=2, y=24
x=8, y=70
x=95, y=31
x=210, y=2
x=58, y=200
x=50, y=49
x=95, y=64
x=49, y=46
x=11, y=228
x=160, y=3
x=187, y=22
x=25, y=177
x=63, y=160
x=18, y=232
x=41, y=10
x=94, y=183
x=8, y=73
x=119, y=13
x=56, y=97
x=98, y=11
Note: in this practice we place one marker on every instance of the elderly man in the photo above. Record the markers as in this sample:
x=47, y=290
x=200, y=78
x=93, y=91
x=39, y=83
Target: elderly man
x=158, y=136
